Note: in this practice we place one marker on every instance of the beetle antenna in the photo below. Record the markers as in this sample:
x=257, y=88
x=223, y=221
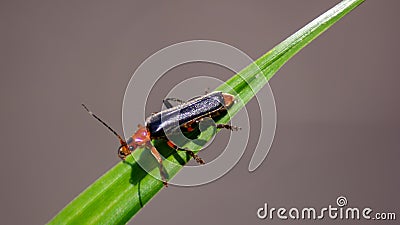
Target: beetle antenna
x=101, y=121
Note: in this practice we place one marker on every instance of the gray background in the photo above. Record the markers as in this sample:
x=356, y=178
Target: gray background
x=337, y=103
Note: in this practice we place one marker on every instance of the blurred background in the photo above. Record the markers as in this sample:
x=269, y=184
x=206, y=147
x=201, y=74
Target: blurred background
x=337, y=103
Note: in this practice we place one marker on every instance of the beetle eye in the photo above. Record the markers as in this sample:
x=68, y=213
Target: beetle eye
x=122, y=152
x=131, y=148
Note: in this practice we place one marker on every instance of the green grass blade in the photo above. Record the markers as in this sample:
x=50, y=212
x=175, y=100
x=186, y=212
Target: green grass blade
x=121, y=192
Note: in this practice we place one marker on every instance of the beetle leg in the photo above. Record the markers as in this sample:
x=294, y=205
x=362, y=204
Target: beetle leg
x=229, y=127
x=226, y=126
x=191, y=153
x=189, y=126
x=158, y=157
x=168, y=104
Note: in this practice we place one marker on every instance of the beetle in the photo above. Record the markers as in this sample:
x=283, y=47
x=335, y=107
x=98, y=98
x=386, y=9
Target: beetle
x=185, y=116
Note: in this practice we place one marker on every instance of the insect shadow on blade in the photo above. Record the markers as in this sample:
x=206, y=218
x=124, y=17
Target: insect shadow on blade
x=184, y=117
